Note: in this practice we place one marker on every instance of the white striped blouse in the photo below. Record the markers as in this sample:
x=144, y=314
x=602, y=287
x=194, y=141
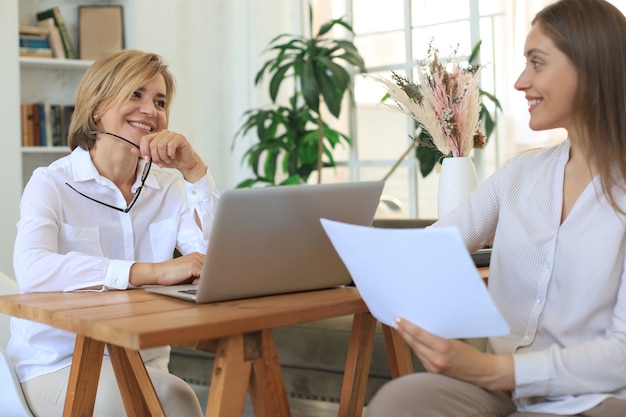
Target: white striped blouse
x=559, y=286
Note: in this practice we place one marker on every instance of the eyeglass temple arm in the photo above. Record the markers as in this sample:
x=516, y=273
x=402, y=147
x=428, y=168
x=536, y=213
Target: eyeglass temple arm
x=99, y=132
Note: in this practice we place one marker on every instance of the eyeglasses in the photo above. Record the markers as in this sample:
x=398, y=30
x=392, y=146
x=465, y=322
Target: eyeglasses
x=144, y=175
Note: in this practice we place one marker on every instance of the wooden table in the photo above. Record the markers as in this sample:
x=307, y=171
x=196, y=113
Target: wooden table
x=240, y=334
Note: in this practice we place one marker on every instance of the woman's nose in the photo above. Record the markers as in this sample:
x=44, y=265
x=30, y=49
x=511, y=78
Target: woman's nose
x=148, y=108
x=522, y=82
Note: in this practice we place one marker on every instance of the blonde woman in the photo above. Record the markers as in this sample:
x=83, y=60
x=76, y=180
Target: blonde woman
x=108, y=217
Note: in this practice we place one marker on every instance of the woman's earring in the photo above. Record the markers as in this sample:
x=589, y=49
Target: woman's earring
x=95, y=118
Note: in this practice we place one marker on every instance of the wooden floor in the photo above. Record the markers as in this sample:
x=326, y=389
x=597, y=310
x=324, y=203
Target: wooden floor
x=299, y=407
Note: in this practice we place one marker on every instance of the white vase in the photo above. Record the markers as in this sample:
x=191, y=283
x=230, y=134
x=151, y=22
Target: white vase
x=457, y=179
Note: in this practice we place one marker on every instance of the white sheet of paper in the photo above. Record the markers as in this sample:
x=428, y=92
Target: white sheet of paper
x=426, y=276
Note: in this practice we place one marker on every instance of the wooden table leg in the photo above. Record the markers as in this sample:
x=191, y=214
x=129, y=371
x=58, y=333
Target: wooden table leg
x=357, y=365
x=140, y=398
x=84, y=376
x=398, y=353
x=230, y=379
x=267, y=388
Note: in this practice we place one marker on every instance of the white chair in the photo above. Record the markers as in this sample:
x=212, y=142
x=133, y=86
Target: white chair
x=12, y=401
x=7, y=286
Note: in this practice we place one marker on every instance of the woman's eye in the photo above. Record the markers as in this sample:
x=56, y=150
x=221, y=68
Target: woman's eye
x=160, y=103
x=535, y=64
x=136, y=94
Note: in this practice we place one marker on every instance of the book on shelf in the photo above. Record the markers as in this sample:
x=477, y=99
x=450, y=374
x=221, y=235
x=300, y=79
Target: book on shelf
x=34, y=42
x=36, y=52
x=45, y=124
x=27, y=124
x=56, y=126
x=66, y=118
x=54, y=37
x=36, y=140
x=38, y=31
x=55, y=14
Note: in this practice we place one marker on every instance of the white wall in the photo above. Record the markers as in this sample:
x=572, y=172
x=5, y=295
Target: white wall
x=11, y=162
x=214, y=51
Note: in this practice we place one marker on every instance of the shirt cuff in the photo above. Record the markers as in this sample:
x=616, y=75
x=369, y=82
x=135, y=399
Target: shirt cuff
x=532, y=375
x=200, y=190
x=118, y=274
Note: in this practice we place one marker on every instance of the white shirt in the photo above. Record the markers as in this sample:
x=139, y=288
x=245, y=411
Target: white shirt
x=560, y=287
x=66, y=242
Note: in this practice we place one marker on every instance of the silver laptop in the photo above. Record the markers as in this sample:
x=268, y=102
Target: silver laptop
x=270, y=240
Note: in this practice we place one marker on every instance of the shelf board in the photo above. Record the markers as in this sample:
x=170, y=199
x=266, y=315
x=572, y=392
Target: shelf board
x=54, y=63
x=45, y=149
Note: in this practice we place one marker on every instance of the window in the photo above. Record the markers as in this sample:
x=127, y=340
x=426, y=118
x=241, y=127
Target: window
x=391, y=36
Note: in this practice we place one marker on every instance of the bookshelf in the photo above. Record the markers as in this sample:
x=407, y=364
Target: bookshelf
x=55, y=81
x=50, y=80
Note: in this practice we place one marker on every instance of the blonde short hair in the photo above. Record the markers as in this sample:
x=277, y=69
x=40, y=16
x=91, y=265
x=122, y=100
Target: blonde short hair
x=109, y=81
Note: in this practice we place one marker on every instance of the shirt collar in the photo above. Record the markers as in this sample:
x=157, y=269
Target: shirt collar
x=83, y=169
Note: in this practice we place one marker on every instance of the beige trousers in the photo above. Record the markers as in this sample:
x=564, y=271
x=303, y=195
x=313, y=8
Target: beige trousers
x=429, y=395
x=46, y=394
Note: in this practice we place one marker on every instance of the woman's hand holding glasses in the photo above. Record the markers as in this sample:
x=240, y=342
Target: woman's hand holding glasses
x=170, y=149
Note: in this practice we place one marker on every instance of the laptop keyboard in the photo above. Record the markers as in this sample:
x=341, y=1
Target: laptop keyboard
x=482, y=257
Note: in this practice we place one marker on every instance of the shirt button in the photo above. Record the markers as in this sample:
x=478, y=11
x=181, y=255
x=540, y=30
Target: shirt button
x=193, y=193
x=538, y=300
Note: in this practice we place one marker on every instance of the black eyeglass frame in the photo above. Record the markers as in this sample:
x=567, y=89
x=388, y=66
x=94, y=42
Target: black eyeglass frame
x=144, y=175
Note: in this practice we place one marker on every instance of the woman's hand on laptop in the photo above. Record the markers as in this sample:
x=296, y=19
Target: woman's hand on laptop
x=184, y=269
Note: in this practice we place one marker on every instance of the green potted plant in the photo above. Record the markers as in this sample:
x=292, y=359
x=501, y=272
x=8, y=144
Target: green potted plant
x=294, y=140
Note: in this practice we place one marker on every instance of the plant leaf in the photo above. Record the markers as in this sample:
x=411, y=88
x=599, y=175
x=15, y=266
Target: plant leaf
x=293, y=180
x=332, y=95
x=277, y=79
x=271, y=159
x=428, y=158
x=488, y=122
x=351, y=54
x=491, y=98
x=475, y=53
x=326, y=27
x=309, y=86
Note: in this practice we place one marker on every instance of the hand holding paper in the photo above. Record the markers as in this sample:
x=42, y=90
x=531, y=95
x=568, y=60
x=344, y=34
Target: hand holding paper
x=423, y=275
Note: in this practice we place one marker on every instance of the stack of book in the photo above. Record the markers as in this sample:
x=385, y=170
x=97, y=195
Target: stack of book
x=45, y=124
x=60, y=37
x=34, y=42
x=49, y=39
